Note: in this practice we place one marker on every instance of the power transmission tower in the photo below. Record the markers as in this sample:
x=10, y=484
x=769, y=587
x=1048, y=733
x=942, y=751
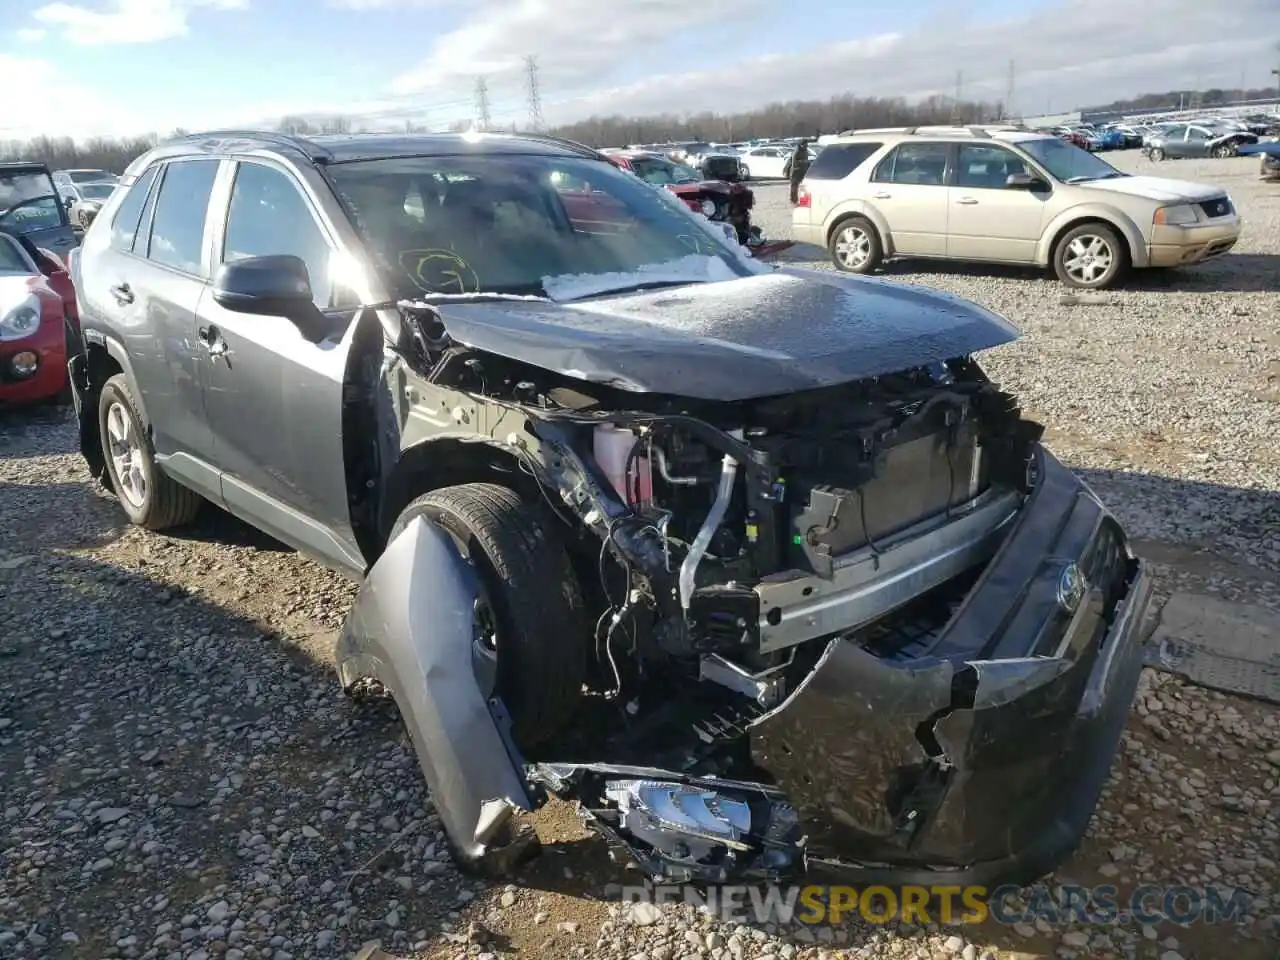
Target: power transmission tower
x=535, y=95
x=1010, y=87
x=955, y=101
x=482, y=103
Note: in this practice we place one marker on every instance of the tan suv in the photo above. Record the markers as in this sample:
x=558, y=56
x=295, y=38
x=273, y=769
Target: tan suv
x=1003, y=195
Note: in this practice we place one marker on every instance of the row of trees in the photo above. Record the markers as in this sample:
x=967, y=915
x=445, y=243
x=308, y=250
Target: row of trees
x=791, y=119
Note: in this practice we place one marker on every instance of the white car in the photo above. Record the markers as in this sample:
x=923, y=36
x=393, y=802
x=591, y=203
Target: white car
x=767, y=163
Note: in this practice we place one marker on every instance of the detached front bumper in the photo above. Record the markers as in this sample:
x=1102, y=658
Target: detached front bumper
x=1173, y=246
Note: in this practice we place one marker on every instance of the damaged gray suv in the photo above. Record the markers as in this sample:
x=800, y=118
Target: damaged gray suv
x=753, y=563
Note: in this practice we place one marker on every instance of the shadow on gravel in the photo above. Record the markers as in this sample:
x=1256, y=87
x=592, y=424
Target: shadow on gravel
x=215, y=525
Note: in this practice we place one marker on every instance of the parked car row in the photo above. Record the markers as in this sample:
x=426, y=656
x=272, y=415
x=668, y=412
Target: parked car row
x=754, y=160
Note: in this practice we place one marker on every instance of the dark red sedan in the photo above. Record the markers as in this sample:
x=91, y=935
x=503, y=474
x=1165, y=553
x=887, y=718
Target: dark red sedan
x=39, y=324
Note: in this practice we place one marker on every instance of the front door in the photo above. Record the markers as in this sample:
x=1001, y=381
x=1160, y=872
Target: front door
x=987, y=219
x=909, y=190
x=273, y=399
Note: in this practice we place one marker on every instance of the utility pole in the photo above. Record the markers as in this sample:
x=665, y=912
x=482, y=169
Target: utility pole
x=482, y=103
x=535, y=96
x=1009, y=91
x=955, y=101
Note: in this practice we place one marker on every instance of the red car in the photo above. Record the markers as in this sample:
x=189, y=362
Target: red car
x=39, y=324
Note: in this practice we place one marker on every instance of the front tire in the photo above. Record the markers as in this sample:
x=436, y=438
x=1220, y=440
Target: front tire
x=1224, y=150
x=531, y=618
x=1091, y=256
x=855, y=246
x=150, y=497
x=745, y=172
x=1157, y=154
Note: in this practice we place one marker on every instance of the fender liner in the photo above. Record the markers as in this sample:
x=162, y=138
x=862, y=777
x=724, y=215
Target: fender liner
x=412, y=629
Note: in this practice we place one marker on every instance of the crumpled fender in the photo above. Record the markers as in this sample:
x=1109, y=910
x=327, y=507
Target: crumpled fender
x=412, y=630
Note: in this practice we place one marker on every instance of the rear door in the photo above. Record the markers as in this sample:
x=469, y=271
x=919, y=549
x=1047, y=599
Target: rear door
x=158, y=288
x=273, y=399
x=139, y=282
x=909, y=190
x=1196, y=143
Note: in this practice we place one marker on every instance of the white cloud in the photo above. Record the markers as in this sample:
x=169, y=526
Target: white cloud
x=63, y=106
x=28, y=35
x=1067, y=55
x=126, y=21
x=575, y=40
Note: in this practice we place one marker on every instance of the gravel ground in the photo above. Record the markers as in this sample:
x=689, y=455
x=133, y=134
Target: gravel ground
x=183, y=779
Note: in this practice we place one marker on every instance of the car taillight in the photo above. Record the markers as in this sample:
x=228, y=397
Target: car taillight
x=802, y=197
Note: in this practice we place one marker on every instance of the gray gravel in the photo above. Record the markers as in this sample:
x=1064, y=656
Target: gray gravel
x=181, y=777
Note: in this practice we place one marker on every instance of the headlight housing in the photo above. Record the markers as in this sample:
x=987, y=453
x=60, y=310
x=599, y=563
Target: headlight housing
x=21, y=321
x=708, y=208
x=1178, y=215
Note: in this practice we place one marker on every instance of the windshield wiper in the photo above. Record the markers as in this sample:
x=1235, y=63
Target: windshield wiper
x=478, y=297
x=636, y=287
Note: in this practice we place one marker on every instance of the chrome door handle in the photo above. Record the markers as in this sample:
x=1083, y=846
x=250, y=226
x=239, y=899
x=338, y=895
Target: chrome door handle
x=966, y=200
x=881, y=196
x=122, y=293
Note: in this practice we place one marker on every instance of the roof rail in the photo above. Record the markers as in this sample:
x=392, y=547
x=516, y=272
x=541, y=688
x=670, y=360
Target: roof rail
x=273, y=137
x=573, y=145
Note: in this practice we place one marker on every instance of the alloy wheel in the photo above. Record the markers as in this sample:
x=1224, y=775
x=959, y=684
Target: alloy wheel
x=125, y=448
x=1088, y=258
x=853, y=246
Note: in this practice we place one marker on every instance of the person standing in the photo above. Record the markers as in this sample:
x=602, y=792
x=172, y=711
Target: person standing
x=799, y=167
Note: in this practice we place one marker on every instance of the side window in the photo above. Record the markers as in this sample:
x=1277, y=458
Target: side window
x=838, y=160
x=915, y=163
x=1197, y=133
x=269, y=216
x=124, y=226
x=986, y=167
x=177, y=226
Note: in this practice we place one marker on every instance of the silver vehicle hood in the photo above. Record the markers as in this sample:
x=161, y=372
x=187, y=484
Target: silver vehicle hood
x=766, y=335
x=1157, y=188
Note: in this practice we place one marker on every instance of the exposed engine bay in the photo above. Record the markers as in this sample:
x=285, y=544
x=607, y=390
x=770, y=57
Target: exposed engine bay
x=814, y=613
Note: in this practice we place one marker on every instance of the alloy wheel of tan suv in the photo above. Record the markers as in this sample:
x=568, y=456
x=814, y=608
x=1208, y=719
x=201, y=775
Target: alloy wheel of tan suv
x=1091, y=256
x=855, y=246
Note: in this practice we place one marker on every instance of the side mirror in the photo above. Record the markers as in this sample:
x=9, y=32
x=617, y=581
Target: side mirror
x=68, y=202
x=1024, y=181
x=274, y=286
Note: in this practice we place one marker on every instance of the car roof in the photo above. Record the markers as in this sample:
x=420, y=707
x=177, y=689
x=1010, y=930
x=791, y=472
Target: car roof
x=347, y=148
x=972, y=133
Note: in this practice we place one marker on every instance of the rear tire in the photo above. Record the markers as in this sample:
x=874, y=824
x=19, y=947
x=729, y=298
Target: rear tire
x=533, y=600
x=855, y=246
x=746, y=173
x=1224, y=150
x=150, y=497
x=1157, y=154
x=1091, y=256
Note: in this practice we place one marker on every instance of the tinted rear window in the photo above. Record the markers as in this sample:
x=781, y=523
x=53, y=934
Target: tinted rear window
x=838, y=160
x=177, y=226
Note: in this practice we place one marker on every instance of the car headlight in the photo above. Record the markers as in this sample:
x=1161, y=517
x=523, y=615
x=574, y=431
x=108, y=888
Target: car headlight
x=21, y=321
x=708, y=208
x=1183, y=213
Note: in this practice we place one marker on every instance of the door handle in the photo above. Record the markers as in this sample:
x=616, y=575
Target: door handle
x=122, y=293
x=966, y=200
x=211, y=340
x=881, y=196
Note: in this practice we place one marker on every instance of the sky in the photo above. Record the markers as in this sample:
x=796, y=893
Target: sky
x=113, y=67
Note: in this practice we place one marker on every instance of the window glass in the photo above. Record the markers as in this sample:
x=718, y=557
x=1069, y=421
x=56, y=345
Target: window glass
x=269, y=216
x=1197, y=133
x=915, y=163
x=837, y=161
x=985, y=166
x=125, y=223
x=524, y=225
x=28, y=201
x=177, y=227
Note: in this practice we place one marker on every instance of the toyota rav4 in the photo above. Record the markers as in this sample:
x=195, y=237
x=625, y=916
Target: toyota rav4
x=753, y=563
